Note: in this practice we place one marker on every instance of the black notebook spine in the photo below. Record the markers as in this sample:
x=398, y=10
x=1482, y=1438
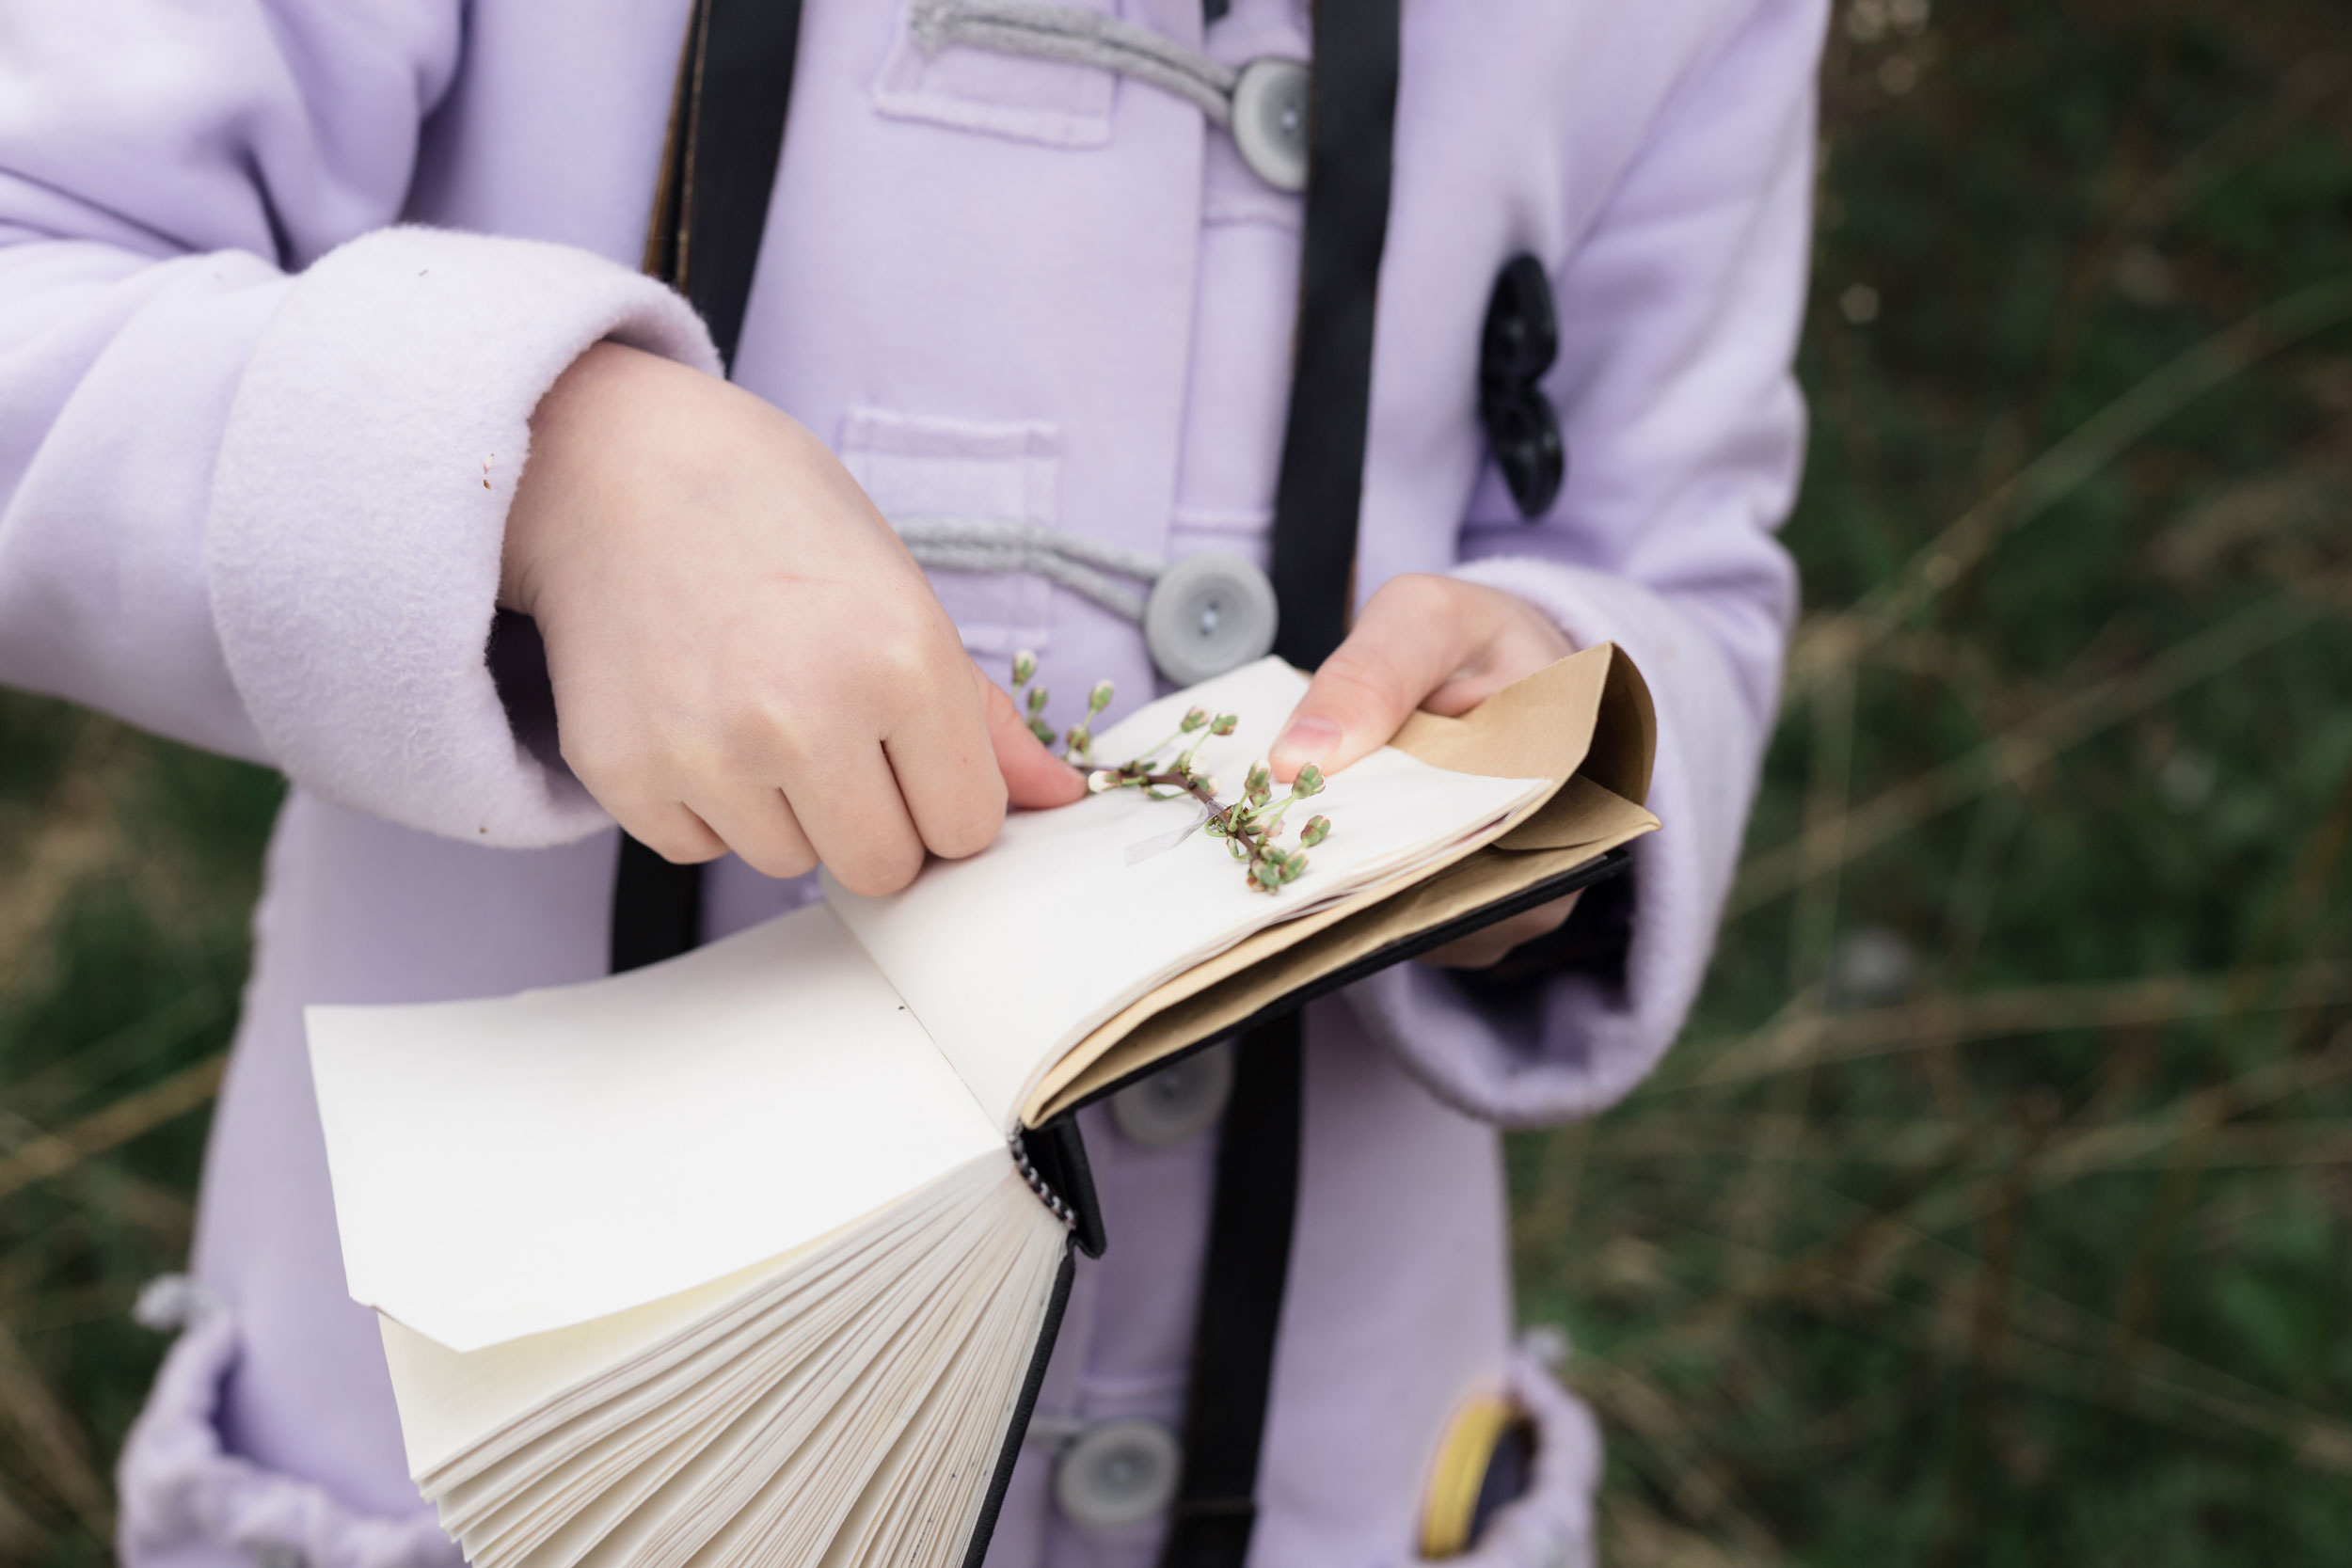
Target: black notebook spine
x=985, y=1526
x=1053, y=1160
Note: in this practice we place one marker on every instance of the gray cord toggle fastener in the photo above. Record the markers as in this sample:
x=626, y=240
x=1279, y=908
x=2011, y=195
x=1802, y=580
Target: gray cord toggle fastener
x=1263, y=103
x=1084, y=566
x=1202, y=614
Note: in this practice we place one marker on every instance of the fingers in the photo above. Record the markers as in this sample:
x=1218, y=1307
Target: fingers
x=860, y=820
x=1406, y=642
x=778, y=806
x=760, y=826
x=847, y=801
x=941, y=760
x=672, y=832
x=1034, y=776
x=1512, y=640
x=785, y=793
x=1420, y=641
x=938, y=784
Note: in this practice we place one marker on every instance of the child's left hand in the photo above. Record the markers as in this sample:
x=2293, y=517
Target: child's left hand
x=1431, y=642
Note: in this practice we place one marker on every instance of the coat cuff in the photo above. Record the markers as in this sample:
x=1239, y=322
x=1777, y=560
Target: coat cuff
x=358, y=511
x=1566, y=1046
x=188, y=1501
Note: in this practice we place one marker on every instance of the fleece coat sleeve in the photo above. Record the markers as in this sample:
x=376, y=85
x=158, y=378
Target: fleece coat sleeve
x=256, y=444
x=1679, y=315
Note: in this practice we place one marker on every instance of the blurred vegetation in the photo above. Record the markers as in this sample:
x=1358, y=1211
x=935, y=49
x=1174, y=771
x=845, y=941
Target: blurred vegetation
x=127, y=870
x=1998, y=1205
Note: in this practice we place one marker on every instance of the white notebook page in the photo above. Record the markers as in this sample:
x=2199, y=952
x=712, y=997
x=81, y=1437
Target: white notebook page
x=1010, y=957
x=510, y=1167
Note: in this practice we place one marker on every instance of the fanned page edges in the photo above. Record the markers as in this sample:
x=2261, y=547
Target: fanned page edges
x=1584, y=724
x=492, y=1403
x=851, y=1398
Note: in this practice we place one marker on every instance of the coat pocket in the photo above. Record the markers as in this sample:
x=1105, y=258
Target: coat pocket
x=1551, y=1524
x=1048, y=101
x=933, y=468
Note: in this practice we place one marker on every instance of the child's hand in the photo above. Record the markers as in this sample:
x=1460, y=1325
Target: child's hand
x=1433, y=643
x=743, y=654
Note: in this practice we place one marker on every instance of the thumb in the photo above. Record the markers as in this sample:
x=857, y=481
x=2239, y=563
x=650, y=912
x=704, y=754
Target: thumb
x=1033, y=775
x=1396, y=654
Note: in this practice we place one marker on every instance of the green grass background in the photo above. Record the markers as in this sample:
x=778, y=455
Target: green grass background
x=1996, y=1207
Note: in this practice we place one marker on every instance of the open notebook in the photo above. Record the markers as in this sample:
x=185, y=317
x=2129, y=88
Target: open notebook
x=755, y=1255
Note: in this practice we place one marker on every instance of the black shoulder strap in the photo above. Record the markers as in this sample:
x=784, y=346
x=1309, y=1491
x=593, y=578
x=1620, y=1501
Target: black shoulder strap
x=1351, y=137
x=718, y=171
x=1240, y=1317
x=1317, y=502
x=725, y=144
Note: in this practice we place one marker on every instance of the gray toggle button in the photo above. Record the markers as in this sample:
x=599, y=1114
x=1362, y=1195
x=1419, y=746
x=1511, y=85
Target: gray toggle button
x=1182, y=1098
x=1117, y=1473
x=1207, y=614
x=1270, y=120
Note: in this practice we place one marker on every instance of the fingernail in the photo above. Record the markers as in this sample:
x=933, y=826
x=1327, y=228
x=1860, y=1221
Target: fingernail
x=1309, y=738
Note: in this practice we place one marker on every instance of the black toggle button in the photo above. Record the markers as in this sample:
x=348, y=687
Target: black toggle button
x=1522, y=336
x=1519, y=343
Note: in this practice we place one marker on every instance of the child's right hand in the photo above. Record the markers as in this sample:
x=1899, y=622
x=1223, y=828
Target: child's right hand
x=743, y=654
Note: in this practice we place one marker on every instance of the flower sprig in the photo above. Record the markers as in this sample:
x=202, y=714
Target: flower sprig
x=1078, y=744
x=1248, y=827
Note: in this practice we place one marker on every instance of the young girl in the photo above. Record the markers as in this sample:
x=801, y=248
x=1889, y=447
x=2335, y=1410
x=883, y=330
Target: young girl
x=343, y=433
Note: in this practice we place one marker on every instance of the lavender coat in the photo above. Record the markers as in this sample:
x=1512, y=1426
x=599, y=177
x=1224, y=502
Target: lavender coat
x=281, y=281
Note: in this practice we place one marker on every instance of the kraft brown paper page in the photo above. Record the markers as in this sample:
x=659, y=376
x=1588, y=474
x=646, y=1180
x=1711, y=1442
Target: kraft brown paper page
x=1586, y=724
